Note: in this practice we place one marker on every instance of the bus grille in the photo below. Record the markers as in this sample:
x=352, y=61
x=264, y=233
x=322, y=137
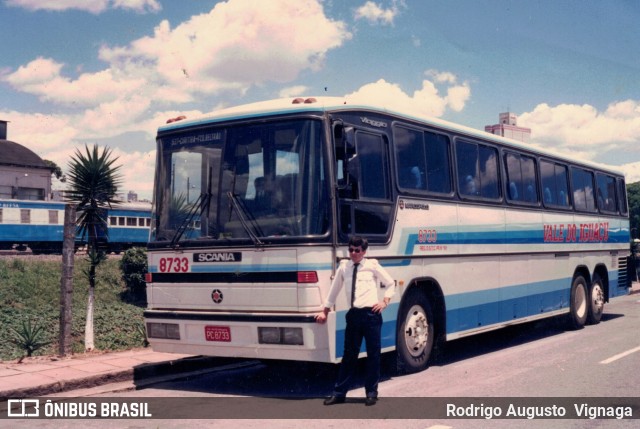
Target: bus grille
x=624, y=279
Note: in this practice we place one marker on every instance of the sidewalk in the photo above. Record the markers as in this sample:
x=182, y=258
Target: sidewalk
x=49, y=375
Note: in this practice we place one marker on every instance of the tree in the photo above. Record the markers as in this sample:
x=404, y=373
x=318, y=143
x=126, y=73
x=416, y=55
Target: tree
x=93, y=182
x=633, y=193
x=56, y=170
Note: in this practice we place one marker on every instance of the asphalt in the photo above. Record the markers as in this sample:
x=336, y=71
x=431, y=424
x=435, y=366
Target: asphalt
x=52, y=375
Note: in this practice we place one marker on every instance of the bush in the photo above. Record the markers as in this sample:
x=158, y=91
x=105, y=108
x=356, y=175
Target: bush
x=30, y=337
x=134, y=268
x=30, y=290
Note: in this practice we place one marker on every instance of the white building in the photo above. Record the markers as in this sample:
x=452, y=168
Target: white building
x=23, y=174
x=508, y=127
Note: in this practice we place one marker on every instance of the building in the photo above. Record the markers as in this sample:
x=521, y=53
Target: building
x=23, y=174
x=508, y=127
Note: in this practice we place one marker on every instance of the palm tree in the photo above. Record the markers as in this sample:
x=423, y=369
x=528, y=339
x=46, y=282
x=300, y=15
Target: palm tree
x=93, y=182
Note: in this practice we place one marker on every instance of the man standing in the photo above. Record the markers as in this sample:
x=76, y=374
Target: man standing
x=362, y=277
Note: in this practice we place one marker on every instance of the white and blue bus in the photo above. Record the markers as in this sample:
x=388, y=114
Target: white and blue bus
x=254, y=206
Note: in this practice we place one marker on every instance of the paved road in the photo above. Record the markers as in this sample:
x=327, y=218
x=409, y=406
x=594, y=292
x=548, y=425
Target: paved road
x=540, y=359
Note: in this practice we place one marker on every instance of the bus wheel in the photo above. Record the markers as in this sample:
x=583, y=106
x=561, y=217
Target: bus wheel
x=596, y=301
x=578, y=306
x=415, y=333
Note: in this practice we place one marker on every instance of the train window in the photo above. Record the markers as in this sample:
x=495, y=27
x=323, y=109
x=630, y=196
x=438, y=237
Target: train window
x=140, y=221
x=0, y=215
x=25, y=216
x=113, y=220
x=131, y=221
x=121, y=221
x=53, y=217
x=148, y=222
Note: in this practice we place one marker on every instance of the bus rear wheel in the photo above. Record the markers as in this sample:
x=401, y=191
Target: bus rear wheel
x=415, y=333
x=578, y=308
x=596, y=300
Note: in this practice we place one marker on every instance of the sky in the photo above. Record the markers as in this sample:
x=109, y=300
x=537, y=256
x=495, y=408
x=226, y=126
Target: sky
x=110, y=72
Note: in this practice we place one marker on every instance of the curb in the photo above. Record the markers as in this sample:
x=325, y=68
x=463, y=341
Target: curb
x=65, y=386
x=135, y=375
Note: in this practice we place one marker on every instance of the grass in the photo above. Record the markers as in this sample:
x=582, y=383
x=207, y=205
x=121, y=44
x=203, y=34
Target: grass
x=30, y=293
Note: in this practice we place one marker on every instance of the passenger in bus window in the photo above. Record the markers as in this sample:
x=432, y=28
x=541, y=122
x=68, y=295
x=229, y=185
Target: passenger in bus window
x=361, y=276
x=470, y=187
x=417, y=177
x=513, y=191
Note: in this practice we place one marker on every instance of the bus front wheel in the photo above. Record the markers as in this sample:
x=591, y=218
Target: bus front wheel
x=415, y=333
x=596, y=300
x=578, y=308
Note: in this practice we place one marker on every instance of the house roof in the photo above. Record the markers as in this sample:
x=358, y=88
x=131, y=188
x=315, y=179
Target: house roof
x=14, y=154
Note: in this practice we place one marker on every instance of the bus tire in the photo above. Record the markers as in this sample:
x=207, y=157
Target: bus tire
x=414, y=333
x=596, y=301
x=578, y=305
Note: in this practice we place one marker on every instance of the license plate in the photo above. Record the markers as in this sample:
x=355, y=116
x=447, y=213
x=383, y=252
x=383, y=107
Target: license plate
x=217, y=333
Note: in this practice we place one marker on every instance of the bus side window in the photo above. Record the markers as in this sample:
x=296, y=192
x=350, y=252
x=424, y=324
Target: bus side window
x=477, y=170
x=555, y=183
x=521, y=172
x=410, y=156
x=423, y=160
x=582, y=187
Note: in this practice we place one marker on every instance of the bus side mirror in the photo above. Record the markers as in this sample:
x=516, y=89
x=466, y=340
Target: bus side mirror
x=344, y=144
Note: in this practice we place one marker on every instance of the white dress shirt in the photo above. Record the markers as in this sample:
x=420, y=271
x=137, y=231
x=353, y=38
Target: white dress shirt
x=370, y=276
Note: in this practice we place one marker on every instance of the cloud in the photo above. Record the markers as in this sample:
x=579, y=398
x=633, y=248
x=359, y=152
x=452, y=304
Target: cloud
x=293, y=91
x=376, y=14
x=138, y=165
x=631, y=172
x=427, y=101
x=91, y=6
x=236, y=45
x=42, y=77
x=583, y=127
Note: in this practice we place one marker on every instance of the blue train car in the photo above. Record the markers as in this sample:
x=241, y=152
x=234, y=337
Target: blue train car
x=39, y=225
x=129, y=226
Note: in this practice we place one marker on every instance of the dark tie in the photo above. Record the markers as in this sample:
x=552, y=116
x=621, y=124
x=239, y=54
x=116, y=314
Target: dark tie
x=353, y=283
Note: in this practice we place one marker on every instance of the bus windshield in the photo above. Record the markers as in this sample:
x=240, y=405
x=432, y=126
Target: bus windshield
x=258, y=182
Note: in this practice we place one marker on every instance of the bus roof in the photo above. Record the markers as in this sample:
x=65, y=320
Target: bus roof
x=335, y=104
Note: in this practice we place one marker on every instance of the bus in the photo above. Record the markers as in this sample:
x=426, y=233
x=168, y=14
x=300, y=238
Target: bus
x=254, y=206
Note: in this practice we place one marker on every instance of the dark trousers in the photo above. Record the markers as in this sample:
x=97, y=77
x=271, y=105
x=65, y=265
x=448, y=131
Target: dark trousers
x=361, y=323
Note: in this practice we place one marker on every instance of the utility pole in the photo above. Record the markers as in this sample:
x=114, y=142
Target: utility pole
x=66, y=282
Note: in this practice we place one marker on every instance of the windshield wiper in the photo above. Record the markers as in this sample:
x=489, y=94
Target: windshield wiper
x=242, y=212
x=198, y=207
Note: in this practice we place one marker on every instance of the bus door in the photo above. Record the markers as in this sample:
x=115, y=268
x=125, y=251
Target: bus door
x=364, y=190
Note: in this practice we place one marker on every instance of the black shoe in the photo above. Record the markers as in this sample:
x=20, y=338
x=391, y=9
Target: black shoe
x=371, y=400
x=334, y=400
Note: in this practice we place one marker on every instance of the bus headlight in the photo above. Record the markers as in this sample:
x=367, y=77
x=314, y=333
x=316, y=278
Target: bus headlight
x=169, y=331
x=274, y=335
